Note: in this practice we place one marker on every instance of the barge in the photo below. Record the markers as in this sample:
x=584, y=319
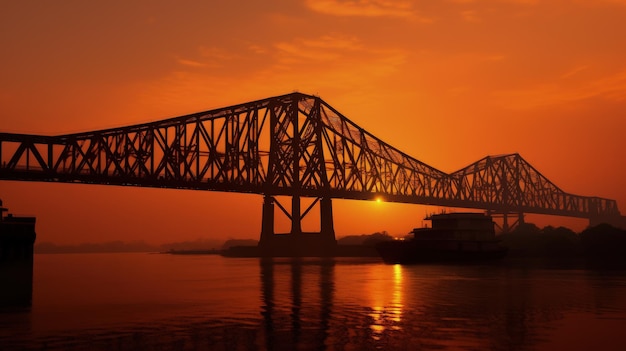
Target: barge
x=452, y=237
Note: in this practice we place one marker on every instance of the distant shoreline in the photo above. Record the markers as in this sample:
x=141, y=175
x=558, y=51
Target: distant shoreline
x=194, y=252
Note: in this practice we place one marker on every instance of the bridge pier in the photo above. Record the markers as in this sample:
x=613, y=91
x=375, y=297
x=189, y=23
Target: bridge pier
x=267, y=220
x=326, y=217
x=296, y=218
x=297, y=243
x=507, y=226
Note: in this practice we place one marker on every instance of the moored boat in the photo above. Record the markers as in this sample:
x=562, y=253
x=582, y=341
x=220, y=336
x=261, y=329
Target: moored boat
x=452, y=237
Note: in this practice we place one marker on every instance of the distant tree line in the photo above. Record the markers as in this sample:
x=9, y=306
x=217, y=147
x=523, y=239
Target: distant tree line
x=109, y=246
x=122, y=246
x=601, y=241
x=365, y=239
x=199, y=244
x=526, y=240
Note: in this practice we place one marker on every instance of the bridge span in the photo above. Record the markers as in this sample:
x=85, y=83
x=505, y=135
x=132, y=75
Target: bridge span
x=295, y=145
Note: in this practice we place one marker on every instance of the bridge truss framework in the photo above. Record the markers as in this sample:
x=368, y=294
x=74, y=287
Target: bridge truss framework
x=295, y=145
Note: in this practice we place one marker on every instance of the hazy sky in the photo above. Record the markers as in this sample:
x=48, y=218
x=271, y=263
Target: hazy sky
x=447, y=82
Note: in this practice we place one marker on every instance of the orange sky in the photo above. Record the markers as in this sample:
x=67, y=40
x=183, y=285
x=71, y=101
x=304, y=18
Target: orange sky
x=447, y=82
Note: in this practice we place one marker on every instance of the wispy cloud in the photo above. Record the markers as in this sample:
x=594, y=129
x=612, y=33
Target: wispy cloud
x=325, y=48
x=334, y=42
x=523, y=2
x=612, y=87
x=618, y=2
x=364, y=8
x=190, y=63
x=216, y=53
x=574, y=71
x=470, y=16
x=328, y=64
x=291, y=53
x=257, y=49
x=207, y=57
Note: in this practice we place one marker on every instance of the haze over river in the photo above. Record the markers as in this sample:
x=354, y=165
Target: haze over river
x=138, y=301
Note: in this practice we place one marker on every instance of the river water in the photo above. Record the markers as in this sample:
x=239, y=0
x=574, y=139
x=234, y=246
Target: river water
x=138, y=301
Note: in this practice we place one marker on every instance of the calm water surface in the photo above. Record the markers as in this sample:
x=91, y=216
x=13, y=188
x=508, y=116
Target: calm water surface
x=165, y=302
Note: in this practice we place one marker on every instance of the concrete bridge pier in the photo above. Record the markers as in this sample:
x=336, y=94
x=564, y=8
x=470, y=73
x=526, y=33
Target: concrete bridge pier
x=267, y=220
x=326, y=218
x=297, y=243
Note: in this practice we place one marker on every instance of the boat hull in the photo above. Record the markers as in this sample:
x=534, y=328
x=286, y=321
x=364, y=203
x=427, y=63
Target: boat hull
x=412, y=252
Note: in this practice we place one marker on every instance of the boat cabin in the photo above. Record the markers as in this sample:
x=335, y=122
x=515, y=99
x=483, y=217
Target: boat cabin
x=457, y=226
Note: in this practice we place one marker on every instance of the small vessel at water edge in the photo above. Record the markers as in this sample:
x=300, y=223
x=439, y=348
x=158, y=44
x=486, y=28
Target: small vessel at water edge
x=452, y=237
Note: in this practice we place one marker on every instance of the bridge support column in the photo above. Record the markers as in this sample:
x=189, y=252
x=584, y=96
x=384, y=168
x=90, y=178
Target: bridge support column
x=267, y=221
x=505, y=223
x=507, y=226
x=327, y=228
x=296, y=216
x=297, y=243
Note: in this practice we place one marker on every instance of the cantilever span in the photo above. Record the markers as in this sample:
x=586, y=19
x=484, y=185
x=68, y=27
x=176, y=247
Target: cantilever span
x=295, y=145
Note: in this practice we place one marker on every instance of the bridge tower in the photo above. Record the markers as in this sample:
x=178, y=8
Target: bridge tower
x=296, y=162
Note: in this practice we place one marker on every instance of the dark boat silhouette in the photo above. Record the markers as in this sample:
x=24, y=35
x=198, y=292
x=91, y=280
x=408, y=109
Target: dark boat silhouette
x=453, y=237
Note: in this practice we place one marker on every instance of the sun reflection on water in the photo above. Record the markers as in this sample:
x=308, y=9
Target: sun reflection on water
x=397, y=303
x=386, y=311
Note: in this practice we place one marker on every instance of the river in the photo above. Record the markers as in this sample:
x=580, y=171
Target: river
x=139, y=301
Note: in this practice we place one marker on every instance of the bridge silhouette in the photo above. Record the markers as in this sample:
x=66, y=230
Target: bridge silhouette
x=293, y=145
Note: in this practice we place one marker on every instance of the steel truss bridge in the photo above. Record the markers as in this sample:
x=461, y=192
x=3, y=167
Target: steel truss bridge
x=295, y=145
